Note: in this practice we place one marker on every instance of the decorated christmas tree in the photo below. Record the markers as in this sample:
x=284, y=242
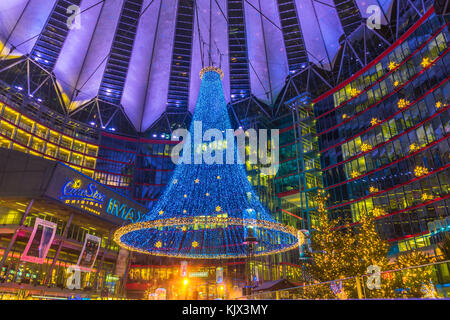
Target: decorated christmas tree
x=209, y=209
x=333, y=250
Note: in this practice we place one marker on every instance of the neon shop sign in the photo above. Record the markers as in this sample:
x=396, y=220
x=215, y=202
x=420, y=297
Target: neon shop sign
x=88, y=199
x=72, y=190
x=122, y=211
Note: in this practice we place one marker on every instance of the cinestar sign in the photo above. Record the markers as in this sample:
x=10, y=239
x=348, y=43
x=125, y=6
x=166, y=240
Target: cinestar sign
x=73, y=190
x=122, y=211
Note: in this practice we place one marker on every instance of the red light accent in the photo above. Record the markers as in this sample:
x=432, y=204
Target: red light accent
x=387, y=74
x=381, y=56
x=409, y=236
x=285, y=211
x=387, y=119
x=287, y=193
x=286, y=129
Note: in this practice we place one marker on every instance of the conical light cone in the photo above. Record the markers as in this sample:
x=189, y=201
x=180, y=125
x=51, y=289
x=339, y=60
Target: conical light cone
x=208, y=210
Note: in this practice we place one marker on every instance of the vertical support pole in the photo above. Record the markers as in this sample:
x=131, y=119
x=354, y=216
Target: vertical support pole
x=16, y=233
x=63, y=237
x=358, y=287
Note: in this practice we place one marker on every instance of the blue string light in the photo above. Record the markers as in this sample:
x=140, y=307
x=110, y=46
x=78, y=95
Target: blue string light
x=207, y=210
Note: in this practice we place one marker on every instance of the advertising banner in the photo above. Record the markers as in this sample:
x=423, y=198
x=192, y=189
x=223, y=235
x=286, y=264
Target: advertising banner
x=40, y=241
x=89, y=253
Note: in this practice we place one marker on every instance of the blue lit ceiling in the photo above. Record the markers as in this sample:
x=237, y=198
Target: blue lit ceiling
x=146, y=55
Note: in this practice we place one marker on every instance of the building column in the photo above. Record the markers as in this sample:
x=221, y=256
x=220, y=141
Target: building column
x=125, y=276
x=16, y=233
x=63, y=237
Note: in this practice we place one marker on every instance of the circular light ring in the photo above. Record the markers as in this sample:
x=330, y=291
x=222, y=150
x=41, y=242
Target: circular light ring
x=174, y=222
x=210, y=68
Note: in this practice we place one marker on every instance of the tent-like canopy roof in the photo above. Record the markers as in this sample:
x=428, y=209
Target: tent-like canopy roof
x=145, y=55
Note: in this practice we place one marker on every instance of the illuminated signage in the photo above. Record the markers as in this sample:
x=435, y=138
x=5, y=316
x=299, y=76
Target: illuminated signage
x=73, y=190
x=89, y=198
x=122, y=211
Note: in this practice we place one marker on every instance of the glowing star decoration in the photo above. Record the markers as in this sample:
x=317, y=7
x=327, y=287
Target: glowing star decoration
x=425, y=62
x=373, y=189
x=374, y=121
x=392, y=65
x=344, y=116
x=354, y=92
x=426, y=197
x=413, y=147
x=420, y=171
x=354, y=174
x=76, y=184
x=396, y=83
x=158, y=244
x=161, y=212
x=402, y=103
x=184, y=211
x=183, y=228
x=196, y=181
x=185, y=196
x=194, y=244
x=377, y=212
x=218, y=177
x=207, y=194
x=438, y=105
x=366, y=147
x=218, y=208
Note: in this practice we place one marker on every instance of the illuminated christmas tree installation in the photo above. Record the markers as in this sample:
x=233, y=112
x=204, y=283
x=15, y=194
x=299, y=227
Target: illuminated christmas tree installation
x=207, y=210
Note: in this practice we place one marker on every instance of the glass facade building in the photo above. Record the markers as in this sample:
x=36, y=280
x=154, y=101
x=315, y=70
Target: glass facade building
x=383, y=138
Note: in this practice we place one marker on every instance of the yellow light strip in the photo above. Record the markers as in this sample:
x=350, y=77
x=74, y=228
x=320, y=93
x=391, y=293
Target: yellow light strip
x=173, y=222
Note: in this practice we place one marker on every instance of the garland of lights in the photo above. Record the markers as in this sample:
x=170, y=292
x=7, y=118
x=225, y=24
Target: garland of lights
x=208, y=211
x=208, y=69
x=191, y=221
